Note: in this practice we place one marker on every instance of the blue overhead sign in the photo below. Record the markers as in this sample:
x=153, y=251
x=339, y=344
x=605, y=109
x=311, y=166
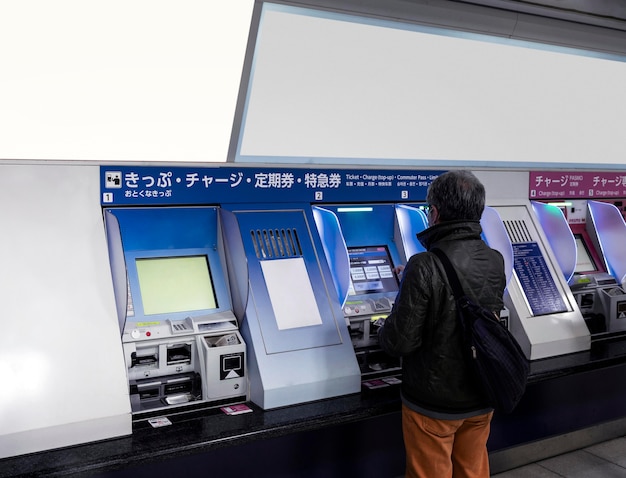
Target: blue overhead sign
x=167, y=185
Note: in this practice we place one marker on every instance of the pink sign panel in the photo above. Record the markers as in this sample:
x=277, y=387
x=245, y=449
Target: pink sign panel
x=576, y=185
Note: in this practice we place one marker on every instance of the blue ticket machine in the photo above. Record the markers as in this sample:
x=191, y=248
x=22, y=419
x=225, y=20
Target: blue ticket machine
x=361, y=243
x=180, y=336
x=299, y=346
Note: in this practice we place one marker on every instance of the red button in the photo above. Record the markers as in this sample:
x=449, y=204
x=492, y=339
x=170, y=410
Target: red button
x=148, y=334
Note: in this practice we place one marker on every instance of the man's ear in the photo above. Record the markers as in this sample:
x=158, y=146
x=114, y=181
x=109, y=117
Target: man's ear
x=433, y=216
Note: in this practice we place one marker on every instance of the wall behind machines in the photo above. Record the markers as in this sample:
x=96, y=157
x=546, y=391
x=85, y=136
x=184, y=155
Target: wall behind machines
x=146, y=81
x=63, y=377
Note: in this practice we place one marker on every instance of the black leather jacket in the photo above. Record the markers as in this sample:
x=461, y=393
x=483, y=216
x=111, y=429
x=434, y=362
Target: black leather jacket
x=423, y=327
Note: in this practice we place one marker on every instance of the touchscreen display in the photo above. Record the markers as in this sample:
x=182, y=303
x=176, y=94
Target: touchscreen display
x=371, y=270
x=175, y=284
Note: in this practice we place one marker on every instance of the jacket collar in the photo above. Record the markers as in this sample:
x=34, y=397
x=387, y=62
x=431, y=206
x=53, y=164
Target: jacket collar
x=449, y=230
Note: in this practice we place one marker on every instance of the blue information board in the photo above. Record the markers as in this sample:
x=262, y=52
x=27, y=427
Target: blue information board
x=539, y=287
x=174, y=185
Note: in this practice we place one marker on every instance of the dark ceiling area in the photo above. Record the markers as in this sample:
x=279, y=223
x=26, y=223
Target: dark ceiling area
x=605, y=13
x=594, y=25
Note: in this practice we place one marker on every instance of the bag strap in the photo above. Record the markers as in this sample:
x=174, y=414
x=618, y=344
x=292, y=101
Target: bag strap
x=453, y=278
x=457, y=290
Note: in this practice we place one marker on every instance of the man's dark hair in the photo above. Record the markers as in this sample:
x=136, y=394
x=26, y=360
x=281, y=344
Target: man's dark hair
x=457, y=195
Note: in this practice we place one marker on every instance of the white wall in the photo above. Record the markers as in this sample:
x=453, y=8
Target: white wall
x=118, y=80
x=61, y=361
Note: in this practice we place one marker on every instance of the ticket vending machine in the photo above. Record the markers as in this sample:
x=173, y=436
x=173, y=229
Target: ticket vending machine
x=607, y=230
x=539, y=306
x=364, y=243
x=544, y=315
x=361, y=244
x=584, y=234
x=299, y=349
x=412, y=219
x=180, y=337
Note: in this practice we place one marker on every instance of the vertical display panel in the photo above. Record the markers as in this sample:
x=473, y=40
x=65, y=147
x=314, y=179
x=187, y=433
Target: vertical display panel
x=538, y=284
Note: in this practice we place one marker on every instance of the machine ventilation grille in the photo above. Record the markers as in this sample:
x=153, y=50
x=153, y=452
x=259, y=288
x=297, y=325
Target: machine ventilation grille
x=518, y=231
x=276, y=243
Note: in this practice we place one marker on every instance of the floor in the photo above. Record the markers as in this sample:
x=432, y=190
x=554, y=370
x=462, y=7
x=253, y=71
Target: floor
x=604, y=460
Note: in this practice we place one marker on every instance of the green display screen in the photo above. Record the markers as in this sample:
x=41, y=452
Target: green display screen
x=175, y=284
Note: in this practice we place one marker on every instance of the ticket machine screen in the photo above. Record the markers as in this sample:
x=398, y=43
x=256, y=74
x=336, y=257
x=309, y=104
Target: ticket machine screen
x=175, y=284
x=163, y=286
x=371, y=270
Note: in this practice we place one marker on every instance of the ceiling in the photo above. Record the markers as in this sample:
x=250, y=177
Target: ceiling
x=605, y=13
x=594, y=25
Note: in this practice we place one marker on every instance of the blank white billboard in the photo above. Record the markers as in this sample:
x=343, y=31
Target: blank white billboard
x=337, y=88
x=149, y=80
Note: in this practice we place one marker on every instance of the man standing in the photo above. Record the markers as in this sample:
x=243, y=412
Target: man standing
x=445, y=417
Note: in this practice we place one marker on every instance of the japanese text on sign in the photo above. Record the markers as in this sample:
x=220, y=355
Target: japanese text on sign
x=153, y=185
x=586, y=184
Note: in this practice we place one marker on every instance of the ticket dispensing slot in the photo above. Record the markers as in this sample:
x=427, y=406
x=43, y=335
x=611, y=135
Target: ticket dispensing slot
x=178, y=390
x=179, y=353
x=152, y=394
x=145, y=357
x=149, y=390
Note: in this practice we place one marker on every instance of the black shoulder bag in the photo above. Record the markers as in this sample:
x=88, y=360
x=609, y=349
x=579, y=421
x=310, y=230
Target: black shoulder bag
x=494, y=353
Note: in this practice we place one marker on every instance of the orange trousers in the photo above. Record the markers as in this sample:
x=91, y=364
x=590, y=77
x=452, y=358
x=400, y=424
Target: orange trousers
x=445, y=448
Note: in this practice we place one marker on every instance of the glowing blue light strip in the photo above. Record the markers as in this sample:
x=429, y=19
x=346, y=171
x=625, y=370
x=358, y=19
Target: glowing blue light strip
x=355, y=209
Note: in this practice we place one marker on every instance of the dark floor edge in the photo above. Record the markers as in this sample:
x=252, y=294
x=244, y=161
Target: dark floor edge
x=503, y=460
